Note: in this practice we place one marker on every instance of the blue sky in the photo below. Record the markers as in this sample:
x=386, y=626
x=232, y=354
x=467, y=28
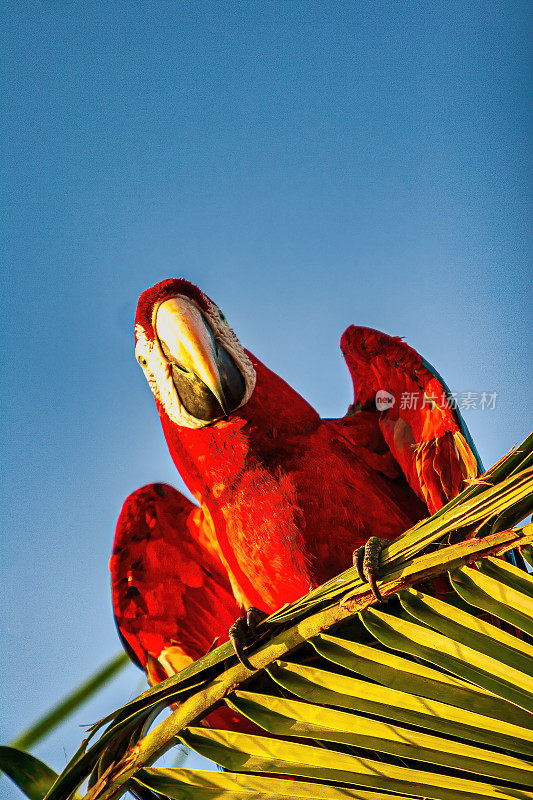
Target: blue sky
x=309, y=165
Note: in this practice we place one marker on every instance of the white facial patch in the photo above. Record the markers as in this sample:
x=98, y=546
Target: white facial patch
x=157, y=371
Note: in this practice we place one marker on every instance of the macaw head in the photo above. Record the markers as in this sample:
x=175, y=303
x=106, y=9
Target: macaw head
x=196, y=367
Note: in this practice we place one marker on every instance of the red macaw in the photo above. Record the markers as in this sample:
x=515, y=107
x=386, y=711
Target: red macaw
x=172, y=599
x=288, y=495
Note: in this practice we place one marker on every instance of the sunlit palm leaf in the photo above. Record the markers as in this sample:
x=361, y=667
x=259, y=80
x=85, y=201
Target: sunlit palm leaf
x=258, y=754
x=491, y=594
x=203, y=785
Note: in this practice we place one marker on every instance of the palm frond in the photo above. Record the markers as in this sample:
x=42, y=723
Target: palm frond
x=423, y=697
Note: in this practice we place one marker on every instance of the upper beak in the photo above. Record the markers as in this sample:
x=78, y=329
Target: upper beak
x=181, y=327
x=201, y=371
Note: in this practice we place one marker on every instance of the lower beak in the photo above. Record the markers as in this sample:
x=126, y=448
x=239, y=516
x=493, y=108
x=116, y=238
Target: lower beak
x=206, y=377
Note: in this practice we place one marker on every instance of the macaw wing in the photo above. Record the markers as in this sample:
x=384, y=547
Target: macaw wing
x=416, y=414
x=172, y=599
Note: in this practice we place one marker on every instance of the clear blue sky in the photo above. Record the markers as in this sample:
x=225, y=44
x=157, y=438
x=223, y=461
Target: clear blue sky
x=308, y=164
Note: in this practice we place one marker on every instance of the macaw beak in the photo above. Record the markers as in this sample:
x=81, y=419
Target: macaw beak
x=206, y=377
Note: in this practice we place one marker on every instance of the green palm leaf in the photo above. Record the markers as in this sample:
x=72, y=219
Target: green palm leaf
x=202, y=785
x=321, y=686
x=490, y=594
x=244, y=752
x=29, y=773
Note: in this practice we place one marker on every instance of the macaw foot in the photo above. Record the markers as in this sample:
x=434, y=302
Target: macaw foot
x=241, y=631
x=366, y=562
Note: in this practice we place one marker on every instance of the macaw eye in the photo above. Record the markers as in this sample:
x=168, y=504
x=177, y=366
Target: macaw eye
x=142, y=361
x=222, y=317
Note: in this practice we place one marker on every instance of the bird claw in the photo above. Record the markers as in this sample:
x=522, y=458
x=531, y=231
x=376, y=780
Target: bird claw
x=366, y=562
x=241, y=630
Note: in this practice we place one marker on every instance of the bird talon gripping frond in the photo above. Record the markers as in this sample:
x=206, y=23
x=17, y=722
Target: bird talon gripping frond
x=366, y=562
x=238, y=633
x=242, y=631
